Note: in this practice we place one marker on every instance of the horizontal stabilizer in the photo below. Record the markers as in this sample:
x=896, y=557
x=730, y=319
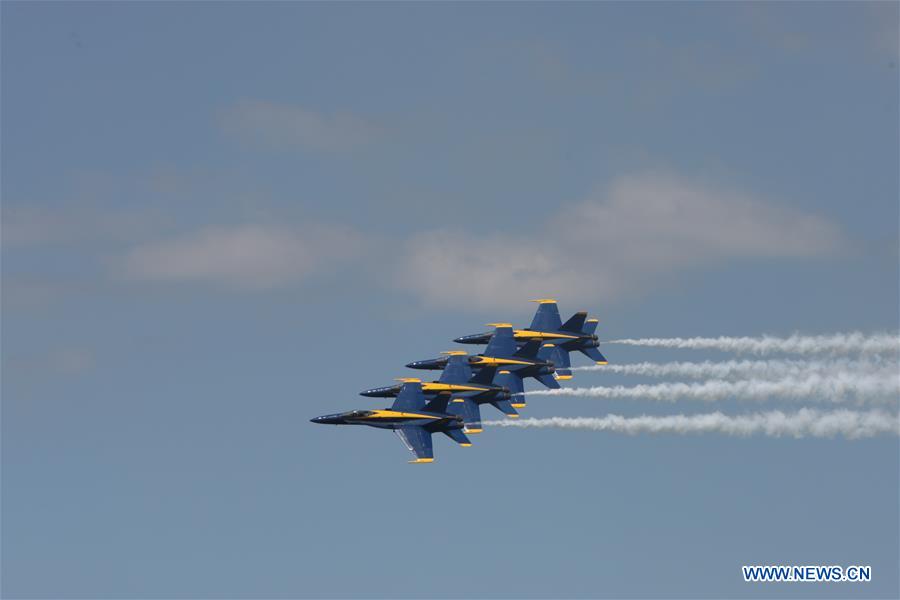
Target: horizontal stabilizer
x=458, y=436
x=505, y=406
x=594, y=355
x=548, y=381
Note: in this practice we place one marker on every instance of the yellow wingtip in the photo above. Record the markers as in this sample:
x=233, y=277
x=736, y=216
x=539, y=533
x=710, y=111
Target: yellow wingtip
x=465, y=445
x=455, y=353
x=474, y=430
x=499, y=324
x=513, y=416
x=457, y=400
x=522, y=405
x=421, y=461
x=408, y=379
x=593, y=321
x=544, y=301
x=564, y=377
x=602, y=362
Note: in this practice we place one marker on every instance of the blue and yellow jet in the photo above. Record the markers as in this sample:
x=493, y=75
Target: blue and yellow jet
x=514, y=363
x=557, y=339
x=465, y=386
x=412, y=418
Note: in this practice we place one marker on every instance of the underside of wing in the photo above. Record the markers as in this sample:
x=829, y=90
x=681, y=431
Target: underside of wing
x=418, y=441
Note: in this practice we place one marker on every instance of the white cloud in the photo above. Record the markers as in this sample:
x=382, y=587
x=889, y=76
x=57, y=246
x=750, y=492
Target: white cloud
x=615, y=243
x=242, y=257
x=286, y=125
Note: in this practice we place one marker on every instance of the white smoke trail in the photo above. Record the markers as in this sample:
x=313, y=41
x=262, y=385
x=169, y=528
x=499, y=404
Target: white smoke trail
x=757, y=369
x=840, y=343
x=838, y=387
x=803, y=423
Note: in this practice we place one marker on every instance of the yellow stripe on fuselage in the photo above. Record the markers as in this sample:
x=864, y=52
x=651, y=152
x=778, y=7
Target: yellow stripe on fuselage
x=490, y=361
x=396, y=414
x=449, y=387
x=528, y=334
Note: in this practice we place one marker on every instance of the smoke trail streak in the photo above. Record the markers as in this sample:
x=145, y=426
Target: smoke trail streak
x=803, y=423
x=835, y=388
x=757, y=369
x=840, y=343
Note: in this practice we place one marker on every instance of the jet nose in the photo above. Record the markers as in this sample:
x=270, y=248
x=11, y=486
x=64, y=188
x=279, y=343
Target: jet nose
x=459, y=340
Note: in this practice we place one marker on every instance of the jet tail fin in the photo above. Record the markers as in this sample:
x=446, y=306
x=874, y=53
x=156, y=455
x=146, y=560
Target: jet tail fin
x=560, y=358
x=469, y=410
x=458, y=436
x=516, y=388
x=590, y=326
x=594, y=354
x=576, y=323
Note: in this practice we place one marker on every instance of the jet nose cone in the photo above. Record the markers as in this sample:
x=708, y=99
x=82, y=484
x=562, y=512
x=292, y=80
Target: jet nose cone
x=459, y=340
x=315, y=420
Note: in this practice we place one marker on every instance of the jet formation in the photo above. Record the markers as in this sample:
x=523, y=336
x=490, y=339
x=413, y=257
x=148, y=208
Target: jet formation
x=452, y=404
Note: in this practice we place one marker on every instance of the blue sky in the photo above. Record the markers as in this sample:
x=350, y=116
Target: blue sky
x=220, y=220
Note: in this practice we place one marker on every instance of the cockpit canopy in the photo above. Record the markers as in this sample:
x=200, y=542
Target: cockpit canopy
x=359, y=414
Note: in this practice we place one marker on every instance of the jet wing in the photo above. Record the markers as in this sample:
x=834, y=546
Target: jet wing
x=418, y=441
x=410, y=398
x=457, y=370
x=547, y=317
x=502, y=342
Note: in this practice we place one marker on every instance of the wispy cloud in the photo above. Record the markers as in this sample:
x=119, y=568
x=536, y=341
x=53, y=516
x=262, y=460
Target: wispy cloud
x=619, y=240
x=244, y=256
x=286, y=125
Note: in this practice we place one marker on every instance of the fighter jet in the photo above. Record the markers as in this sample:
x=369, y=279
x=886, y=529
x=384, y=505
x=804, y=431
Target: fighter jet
x=515, y=364
x=468, y=389
x=412, y=418
x=557, y=339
